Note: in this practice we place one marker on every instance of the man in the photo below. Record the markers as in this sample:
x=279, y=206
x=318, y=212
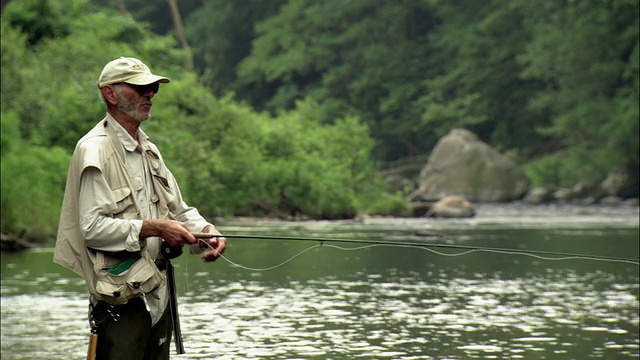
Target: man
x=121, y=204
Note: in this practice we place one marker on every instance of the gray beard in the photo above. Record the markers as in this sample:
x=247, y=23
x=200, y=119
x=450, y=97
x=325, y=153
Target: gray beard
x=128, y=107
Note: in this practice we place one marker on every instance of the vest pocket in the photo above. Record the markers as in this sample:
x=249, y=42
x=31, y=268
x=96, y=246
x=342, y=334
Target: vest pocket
x=124, y=201
x=141, y=278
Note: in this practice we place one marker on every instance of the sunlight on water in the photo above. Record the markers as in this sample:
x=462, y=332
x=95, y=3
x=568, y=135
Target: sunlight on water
x=409, y=317
x=367, y=315
x=376, y=303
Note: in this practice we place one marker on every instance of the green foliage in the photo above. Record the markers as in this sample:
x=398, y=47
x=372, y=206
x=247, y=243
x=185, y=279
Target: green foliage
x=188, y=125
x=284, y=166
x=479, y=86
x=14, y=54
x=530, y=77
x=228, y=159
x=39, y=19
x=362, y=58
x=32, y=183
x=10, y=132
x=54, y=88
x=567, y=169
x=218, y=47
x=587, y=53
x=231, y=160
x=554, y=84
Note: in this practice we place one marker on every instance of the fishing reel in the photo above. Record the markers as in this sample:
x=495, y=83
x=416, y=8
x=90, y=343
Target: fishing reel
x=170, y=252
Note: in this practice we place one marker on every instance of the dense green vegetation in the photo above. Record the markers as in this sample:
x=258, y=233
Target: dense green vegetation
x=542, y=80
x=294, y=103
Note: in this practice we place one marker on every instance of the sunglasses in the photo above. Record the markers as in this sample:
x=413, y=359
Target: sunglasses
x=143, y=89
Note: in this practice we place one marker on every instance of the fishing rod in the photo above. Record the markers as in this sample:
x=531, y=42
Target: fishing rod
x=466, y=249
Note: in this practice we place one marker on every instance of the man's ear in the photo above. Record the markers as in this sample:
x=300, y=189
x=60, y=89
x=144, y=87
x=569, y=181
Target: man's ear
x=109, y=93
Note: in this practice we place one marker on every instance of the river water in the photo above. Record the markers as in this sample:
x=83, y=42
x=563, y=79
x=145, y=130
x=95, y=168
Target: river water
x=324, y=300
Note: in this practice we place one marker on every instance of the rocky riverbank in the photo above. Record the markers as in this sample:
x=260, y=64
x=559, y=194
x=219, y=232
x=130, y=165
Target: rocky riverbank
x=577, y=210
x=16, y=242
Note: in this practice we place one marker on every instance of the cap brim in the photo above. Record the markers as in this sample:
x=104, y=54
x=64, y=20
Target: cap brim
x=146, y=79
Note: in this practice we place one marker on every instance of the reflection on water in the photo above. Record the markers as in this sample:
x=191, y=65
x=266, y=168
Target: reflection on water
x=396, y=315
x=408, y=317
x=374, y=303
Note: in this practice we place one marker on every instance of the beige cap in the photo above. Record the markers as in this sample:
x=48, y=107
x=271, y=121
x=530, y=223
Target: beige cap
x=129, y=70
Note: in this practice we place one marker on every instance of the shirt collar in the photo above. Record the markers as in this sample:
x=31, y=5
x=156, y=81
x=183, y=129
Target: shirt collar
x=128, y=142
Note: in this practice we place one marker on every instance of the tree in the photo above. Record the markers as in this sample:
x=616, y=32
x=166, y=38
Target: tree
x=479, y=87
x=365, y=58
x=221, y=32
x=586, y=53
x=229, y=159
x=51, y=54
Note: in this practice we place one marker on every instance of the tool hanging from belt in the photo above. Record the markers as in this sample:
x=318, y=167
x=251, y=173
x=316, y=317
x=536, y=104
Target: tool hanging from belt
x=93, y=345
x=93, y=336
x=170, y=252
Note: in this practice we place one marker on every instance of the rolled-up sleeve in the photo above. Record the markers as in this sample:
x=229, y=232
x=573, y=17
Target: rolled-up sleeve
x=100, y=230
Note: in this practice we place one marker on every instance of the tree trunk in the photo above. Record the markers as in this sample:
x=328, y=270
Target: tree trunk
x=182, y=37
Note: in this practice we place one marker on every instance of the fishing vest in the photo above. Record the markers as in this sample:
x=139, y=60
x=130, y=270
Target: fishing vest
x=108, y=156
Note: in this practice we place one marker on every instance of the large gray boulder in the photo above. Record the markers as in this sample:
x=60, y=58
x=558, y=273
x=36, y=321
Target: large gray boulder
x=461, y=164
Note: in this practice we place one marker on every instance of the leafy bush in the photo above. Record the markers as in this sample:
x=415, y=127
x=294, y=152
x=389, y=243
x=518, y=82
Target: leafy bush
x=228, y=158
x=233, y=161
x=566, y=169
x=33, y=179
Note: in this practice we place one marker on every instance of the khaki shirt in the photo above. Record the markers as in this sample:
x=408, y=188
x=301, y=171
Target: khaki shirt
x=96, y=202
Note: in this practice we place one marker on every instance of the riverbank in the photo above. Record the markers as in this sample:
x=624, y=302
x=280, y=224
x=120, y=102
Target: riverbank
x=15, y=242
x=623, y=215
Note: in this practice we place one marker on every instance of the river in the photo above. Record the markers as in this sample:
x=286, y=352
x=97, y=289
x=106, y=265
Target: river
x=277, y=299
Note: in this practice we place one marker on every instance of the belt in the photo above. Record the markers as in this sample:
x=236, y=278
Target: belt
x=161, y=264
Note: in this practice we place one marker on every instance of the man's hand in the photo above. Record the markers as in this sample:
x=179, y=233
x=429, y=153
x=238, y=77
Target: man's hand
x=173, y=232
x=217, y=245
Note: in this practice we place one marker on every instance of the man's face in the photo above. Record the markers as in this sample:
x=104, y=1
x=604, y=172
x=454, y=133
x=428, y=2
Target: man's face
x=135, y=101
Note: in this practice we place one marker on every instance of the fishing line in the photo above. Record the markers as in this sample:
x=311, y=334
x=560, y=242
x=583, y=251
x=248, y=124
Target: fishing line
x=463, y=250
x=267, y=268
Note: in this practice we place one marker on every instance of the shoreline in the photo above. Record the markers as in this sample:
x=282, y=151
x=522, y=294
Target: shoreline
x=626, y=215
